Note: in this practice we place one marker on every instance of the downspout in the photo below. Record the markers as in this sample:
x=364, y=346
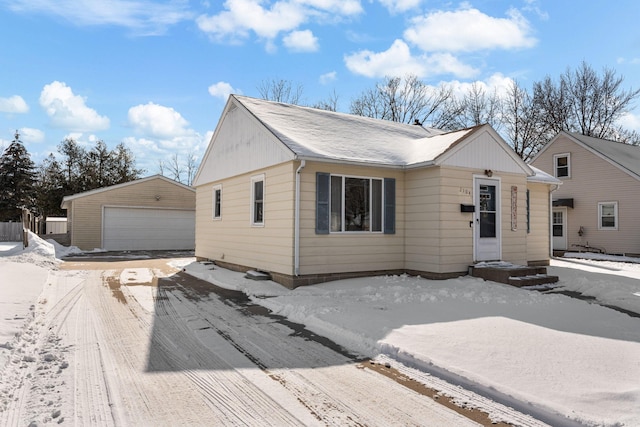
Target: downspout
x=296, y=223
x=556, y=186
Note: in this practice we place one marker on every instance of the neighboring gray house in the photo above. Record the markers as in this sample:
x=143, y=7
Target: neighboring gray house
x=597, y=207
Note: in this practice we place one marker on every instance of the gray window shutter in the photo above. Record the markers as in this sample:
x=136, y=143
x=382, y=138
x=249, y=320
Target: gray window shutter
x=389, y=206
x=323, y=194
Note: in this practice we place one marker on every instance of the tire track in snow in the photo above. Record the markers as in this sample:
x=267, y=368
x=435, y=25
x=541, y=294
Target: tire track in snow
x=228, y=391
x=326, y=382
x=37, y=371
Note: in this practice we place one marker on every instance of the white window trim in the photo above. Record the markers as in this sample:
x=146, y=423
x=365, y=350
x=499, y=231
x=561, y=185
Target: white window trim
x=555, y=165
x=615, y=215
x=342, y=213
x=217, y=187
x=254, y=179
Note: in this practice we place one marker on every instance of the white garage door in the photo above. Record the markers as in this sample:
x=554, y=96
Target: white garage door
x=148, y=229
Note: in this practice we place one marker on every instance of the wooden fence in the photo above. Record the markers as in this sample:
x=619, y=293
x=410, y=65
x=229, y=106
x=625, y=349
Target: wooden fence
x=11, y=232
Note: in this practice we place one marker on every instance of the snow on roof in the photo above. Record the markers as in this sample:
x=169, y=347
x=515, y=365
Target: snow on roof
x=625, y=155
x=320, y=134
x=540, y=176
x=56, y=219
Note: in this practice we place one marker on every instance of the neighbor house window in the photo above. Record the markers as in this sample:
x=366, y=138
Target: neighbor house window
x=257, y=200
x=355, y=204
x=608, y=215
x=217, y=202
x=562, y=165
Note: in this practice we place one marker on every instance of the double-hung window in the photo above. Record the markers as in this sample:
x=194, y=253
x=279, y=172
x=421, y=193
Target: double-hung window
x=355, y=204
x=562, y=165
x=257, y=200
x=217, y=202
x=607, y=215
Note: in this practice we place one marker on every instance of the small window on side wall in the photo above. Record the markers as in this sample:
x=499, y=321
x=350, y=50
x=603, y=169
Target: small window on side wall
x=217, y=202
x=608, y=216
x=257, y=200
x=562, y=165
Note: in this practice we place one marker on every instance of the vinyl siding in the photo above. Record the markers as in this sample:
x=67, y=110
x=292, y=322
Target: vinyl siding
x=594, y=180
x=423, y=188
x=538, y=244
x=347, y=252
x=86, y=211
x=233, y=238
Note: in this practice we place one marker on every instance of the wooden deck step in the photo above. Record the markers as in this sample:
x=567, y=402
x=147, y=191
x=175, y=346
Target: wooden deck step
x=510, y=274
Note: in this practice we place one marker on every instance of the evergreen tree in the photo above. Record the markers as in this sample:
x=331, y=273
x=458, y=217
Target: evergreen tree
x=17, y=181
x=50, y=187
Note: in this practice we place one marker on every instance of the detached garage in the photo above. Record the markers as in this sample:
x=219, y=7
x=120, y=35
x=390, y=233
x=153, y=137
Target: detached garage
x=154, y=213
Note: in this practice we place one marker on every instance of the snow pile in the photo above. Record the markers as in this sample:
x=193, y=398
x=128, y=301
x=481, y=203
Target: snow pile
x=30, y=350
x=611, y=280
x=39, y=252
x=601, y=257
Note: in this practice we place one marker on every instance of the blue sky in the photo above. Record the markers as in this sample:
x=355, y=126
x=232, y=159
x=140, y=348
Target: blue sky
x=155, y=74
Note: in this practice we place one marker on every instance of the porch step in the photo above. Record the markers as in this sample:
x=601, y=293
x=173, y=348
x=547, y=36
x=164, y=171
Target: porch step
x=510, y=274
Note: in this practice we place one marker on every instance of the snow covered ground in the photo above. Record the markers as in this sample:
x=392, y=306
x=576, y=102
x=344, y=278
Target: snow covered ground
x=558, y=358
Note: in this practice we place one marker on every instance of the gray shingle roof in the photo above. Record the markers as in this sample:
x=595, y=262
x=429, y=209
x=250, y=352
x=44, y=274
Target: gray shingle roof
x=320, y=134
x=625, y=155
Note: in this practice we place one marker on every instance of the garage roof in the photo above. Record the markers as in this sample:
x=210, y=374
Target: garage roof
x=67, y=199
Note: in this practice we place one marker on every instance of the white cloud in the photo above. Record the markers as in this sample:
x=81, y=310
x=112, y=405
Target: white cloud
x=150, y=151
x=398, y=61
x=13, y=104
x=142, y=16
x=67, y=110
x=301, y=41
x=329, y=77
x=534, y=6
x=468, y=30
x=241, y=18
x=31, y=135
x=497, y=82
x=399, y=6
x=158, y=121
x=163, y=134
x=222, y=90
x=630, y=121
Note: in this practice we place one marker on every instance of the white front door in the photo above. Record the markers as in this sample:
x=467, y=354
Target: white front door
x=487, y=241
x=559, y=229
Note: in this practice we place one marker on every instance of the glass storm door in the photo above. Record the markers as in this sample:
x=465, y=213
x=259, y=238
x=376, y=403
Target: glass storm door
x=487, y=242
x=559, y=229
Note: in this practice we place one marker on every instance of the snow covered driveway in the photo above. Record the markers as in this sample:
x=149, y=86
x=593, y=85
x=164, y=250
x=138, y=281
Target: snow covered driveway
x=140, y=343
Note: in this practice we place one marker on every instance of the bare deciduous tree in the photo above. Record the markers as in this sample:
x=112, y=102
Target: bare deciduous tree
x=585, y=102
x=521, y=123
x=181, y=171
x=406, y=100
x=479, y=108
x=281, y=91
x=329, y=104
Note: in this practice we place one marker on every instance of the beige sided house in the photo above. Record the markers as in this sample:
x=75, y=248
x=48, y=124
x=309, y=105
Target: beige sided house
x=597, y=205
x=310, y=195
x=153, y=213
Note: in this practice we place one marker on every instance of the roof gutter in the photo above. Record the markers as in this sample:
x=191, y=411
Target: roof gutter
x=296, y=224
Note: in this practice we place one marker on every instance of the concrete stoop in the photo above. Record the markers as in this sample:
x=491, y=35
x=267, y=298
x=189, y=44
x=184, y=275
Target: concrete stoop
x=515, y=275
